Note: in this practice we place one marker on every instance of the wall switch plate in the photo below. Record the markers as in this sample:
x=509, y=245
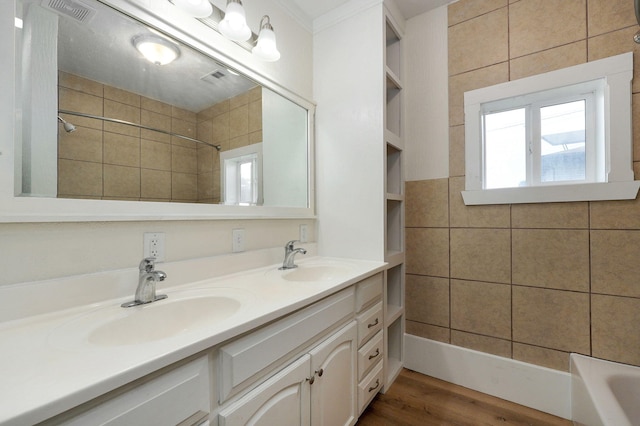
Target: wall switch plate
x=237, y=236
x=303, y=234
x=154, y=245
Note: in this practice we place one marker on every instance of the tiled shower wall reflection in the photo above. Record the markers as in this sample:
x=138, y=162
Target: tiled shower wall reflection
x=529, y=282
x=104, y=160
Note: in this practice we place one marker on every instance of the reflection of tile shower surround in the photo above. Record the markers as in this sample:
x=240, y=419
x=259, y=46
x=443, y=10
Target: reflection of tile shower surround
x=105, y=160
x=530, y=282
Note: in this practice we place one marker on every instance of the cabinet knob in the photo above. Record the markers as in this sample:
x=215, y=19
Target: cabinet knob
x=373, y=324
x=376, y=354
x=312, y=379
x=376, y=386
x=320, y=372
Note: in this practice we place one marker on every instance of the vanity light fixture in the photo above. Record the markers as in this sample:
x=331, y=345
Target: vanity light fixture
x=155, y=49
x=266, y=48
x=234, y=24
x=195, y=8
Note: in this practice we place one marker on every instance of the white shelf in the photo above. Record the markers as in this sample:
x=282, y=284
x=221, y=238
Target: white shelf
x=392, y=139
x=395, y=197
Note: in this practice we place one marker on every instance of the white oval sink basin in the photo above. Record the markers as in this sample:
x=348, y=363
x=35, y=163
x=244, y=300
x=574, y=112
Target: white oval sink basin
x=314, y=273
x=182, y=312
x=162, y=319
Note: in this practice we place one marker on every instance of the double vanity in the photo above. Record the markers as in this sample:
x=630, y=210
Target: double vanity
x=270, y=346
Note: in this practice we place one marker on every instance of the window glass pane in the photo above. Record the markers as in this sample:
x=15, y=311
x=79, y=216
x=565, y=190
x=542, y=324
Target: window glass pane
x=563, y=142
x=505, y=144
x=246, y=182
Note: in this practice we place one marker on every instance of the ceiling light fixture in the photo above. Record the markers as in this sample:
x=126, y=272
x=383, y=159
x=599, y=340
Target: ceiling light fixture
x=195, y=8
x=234, y=24
x=266, y=48
x=155, y=49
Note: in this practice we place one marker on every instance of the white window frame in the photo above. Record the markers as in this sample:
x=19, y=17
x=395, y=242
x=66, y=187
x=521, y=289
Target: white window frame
x=613, y=127
x=231, y=188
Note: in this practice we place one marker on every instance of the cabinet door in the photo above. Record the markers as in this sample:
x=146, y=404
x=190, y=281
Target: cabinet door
x=333, y=391
x=283, y=400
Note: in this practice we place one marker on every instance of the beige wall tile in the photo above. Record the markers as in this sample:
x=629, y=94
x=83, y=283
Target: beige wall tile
x=549, y=60
x=427, y=251
x=155, y=136
x=239, y=141
x=481, y=254
x=550, y=215
x=122, y=150
x=80, y=84
x=124, y=112
x=614, y=262
x=481, y=308
x=490, y=345
x=551, y=258
x=72, y=100
x=205, y=186
x=255, y=137
x=121, y=181
x=184, y=186
x=255, y=93
x=468, y=9
x=122, y=96
x=155, y=155
x=616, y=321
x=205, y=159
x=184, y=128
x=239, y=121
x=155, y=184
x=184, y=160
x=615, y=43
x=204, y=131
x=155, y=120
x=549, y=358
x=84, y=145
x=463, y=216
x=535, y=26
x=255, y=116
x=221, y=128
x=456, y=151
x=623, y=214
x=609, y=15
x=479, y=42
x=242, y=99
x=79, y=178
x=471, y=80
x=440, y=334
x=155, y=106
x=427, y=203
x=427, y=299
x=183, y=114
x=220, y=108
x=552, y=319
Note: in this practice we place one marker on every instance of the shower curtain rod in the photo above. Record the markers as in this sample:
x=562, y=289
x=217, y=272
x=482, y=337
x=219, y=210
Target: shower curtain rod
x=140, y=126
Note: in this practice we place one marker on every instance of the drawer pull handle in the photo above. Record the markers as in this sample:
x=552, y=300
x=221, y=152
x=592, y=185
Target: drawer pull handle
x=320, y=372
x=373, y=324
x=376, y=386
x=376, y=354
x=312, y=379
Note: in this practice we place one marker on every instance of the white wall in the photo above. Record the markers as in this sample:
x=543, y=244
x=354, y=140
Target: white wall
x=31, y=251
x=348, y=88
x=427, y=101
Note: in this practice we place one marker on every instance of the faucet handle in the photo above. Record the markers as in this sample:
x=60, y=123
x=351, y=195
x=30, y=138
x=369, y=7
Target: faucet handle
x=290, y=244
x=148, y=264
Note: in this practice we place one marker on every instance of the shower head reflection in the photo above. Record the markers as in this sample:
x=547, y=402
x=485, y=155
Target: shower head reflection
x=68, y=127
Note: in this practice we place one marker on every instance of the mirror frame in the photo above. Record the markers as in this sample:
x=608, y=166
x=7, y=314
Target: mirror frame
x=33, y=209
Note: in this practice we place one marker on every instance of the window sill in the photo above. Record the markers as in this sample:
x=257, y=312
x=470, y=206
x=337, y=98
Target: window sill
x=554, y=194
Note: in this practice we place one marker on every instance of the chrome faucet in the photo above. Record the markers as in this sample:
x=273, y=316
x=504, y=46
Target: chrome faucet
x=146, y=291
x=289, y=254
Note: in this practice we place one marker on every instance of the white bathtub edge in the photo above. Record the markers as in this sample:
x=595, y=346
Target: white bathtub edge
x=537, y=387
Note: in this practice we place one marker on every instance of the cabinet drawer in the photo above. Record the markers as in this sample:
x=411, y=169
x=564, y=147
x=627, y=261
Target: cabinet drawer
x=369, y=355
x=369, y=323
x=369, y=387
x=368, y=291
x=242, y=360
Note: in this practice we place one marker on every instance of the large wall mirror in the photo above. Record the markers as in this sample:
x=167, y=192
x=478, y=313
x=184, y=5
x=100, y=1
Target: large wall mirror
x=99, y=121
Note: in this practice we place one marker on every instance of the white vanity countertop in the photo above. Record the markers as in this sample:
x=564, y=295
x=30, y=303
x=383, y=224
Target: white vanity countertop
x=46, y=370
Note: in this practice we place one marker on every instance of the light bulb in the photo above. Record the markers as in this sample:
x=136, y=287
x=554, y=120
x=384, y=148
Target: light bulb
x=156, y=49
x=266, y=48
x=234, y=25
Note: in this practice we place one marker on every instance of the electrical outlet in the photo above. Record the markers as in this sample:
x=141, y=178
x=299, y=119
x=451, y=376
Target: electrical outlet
x=154, y=245
x=237, y=237
x=303, y=233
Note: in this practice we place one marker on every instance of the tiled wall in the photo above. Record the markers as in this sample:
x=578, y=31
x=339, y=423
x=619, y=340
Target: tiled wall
x=106, y=160
x=530, y=282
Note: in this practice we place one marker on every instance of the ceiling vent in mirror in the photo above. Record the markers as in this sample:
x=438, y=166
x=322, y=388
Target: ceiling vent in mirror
x=73, y=8
x=212, y=76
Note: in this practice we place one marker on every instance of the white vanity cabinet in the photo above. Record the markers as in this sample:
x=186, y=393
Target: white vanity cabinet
x=317, y=389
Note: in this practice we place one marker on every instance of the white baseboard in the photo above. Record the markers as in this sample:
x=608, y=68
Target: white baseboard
x=537, y=387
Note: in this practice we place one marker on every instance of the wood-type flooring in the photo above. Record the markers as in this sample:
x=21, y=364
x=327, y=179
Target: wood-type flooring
x=418, y=400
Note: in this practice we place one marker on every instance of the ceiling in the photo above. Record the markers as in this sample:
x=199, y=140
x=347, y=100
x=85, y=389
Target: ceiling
x=409, y=8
